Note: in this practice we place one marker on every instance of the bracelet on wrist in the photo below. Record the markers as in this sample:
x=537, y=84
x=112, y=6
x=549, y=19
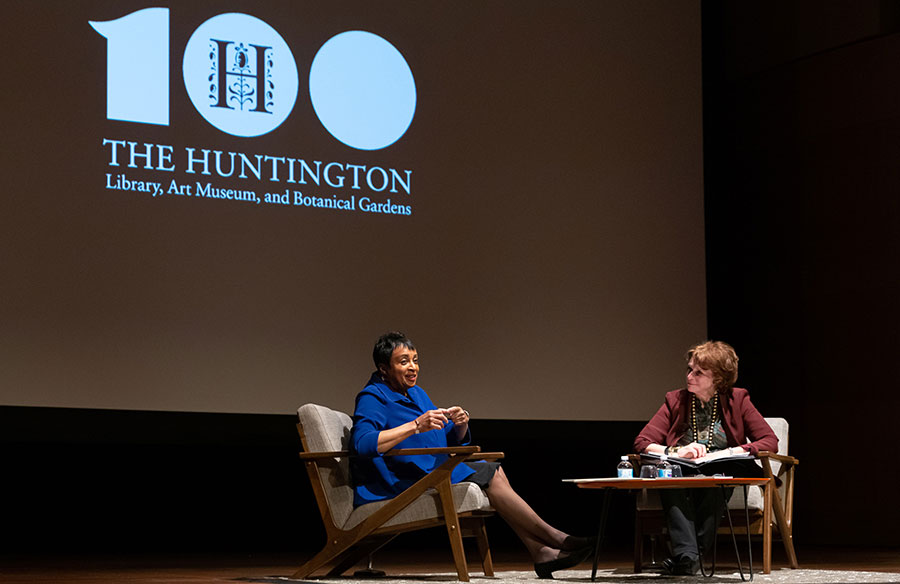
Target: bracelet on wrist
x=417, y=425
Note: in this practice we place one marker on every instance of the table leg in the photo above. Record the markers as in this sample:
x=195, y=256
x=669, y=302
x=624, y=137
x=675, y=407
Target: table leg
x=749, y=543
x=600, y=530
x=734, y=538
x=712, y=569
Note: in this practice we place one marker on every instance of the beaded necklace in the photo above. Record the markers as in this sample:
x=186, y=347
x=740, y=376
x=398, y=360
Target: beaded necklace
x=712, y=419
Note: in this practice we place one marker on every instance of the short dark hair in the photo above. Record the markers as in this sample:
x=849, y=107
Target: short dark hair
x=385, y=345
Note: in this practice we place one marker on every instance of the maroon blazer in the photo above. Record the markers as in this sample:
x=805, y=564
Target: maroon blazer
x=740, y=420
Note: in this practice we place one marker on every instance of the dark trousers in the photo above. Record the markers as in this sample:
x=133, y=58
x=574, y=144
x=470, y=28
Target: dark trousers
x=692, y=516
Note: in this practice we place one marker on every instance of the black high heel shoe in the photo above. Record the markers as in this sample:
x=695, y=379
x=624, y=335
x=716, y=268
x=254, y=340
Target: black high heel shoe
x=544, y=570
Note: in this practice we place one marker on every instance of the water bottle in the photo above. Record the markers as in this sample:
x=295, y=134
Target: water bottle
x=664, y=468
x=625, y=470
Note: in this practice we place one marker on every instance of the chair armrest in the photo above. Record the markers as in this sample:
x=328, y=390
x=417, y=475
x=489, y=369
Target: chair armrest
x=474, y=452
x=486, y=456
x=446, y=450
x=782, y=458
x=408, y=452
x=317, y=455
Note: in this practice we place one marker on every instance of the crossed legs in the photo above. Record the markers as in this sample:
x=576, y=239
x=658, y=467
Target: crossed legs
x=543, y=541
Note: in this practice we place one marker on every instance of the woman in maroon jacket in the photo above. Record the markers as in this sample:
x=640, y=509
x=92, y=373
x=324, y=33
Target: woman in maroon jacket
x=709, y=415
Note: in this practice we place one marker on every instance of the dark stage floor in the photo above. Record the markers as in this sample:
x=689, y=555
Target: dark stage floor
x=229, y=568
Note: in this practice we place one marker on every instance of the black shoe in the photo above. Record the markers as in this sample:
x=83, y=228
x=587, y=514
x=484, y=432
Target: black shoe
x=573, y=543
x=681, y=566
x=545, y=569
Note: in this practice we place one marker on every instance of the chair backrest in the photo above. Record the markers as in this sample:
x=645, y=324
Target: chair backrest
x=325, y=430
x=755, y=500
x=780, y=427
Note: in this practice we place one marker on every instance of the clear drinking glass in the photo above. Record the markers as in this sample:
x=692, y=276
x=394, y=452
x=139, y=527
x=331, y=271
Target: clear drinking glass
x=648, y=471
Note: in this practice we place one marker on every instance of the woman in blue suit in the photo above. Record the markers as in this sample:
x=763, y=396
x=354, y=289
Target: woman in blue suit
x=393, y=411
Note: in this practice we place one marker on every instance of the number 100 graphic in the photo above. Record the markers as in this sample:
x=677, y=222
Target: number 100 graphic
x=241, y=77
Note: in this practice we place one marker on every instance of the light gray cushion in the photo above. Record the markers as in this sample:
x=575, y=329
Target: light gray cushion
x=466, y=497
x=754, y=499
x=754, y=494
x=327, y=430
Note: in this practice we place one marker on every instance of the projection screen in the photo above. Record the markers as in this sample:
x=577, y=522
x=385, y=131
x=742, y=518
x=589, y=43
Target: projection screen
x=218, y=206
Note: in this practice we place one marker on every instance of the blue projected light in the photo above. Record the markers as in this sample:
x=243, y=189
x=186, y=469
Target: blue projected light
x=362, y=90
x=240, y=74
x=137, y=66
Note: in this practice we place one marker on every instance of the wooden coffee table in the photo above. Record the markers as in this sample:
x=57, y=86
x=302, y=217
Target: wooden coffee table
x=616, y=484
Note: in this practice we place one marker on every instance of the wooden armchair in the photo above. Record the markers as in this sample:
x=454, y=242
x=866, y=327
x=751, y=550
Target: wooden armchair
x=772, y=504
x=780, y=468
x=353, y=533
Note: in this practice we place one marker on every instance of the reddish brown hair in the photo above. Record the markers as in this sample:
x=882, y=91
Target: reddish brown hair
x=719, y=358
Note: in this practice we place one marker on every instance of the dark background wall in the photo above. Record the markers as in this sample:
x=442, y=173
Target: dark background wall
x=802, y=139
x=801, y=151
x=103, y=481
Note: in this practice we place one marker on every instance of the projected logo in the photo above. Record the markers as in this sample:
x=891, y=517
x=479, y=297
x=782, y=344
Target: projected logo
x=240, y=74
x=362, y=90
x=241, y=77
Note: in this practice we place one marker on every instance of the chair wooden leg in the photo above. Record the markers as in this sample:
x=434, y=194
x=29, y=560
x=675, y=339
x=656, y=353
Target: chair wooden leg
x=453, y=529
x=336, y=545
x=484, y=549
x=784, y=527
x=328, y=553
x=356, y=553
x=767, y=527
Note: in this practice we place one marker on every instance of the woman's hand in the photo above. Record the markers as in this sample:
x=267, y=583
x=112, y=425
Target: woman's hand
x=460, y=419
x=457, y=415
x=692, y=450
x=431, y=420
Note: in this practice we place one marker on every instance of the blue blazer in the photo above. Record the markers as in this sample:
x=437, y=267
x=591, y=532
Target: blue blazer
x=376, y=477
